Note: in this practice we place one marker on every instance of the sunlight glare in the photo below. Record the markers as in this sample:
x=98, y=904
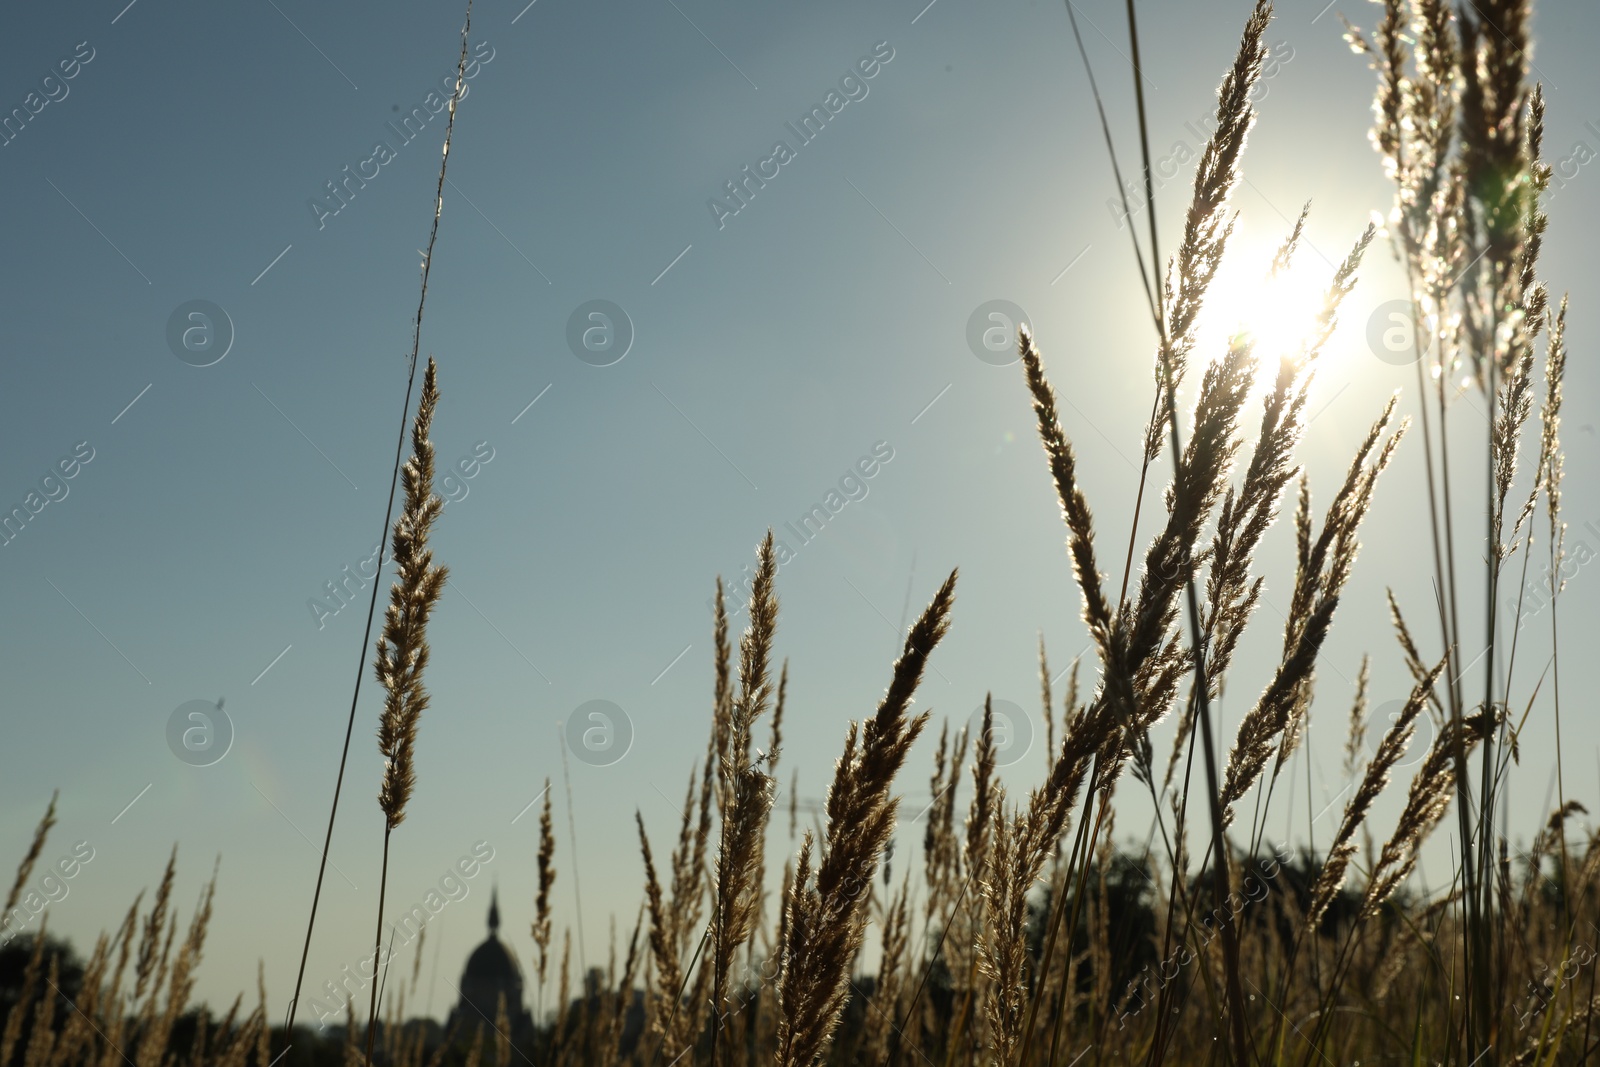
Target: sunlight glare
x=1277, y=310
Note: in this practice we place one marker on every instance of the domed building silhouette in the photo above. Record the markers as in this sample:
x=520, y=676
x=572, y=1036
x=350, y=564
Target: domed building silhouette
x=491, y=973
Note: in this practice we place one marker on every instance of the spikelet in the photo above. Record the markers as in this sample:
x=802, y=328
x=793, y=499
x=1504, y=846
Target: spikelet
x=114, y=996
x=30, y=981
x=1205, y=233
x=79, y=1033
x=1499, y=154
x=1376, y=778
x=827, y=910
x=563, y=992
x=1548, y=841
x=1002, y=950
x=43, y=1039
x=1550, y=454
x=932, y=846
x=1069, y=707
x=1074, y=506
x=230, y=1046
x=1513, y=406
x=981, y=811
x=1047, y=706
x=1356, y=739
x=883, y=1009
x=941, y=852
x=263, y=1033
x=1247, y=514
x=152, y=959
x=180, y=980
x=758, y=877
x=689, y=875
x=402, y=649
x=722, y=693
x=776, y=745
x=623, y=995
x=1171, y=559
x=1324, y=566
x=25, y=868
x=1426, y=802
x=547, y=878
x=749, y=788
x=666, y=1020
x=987, y=798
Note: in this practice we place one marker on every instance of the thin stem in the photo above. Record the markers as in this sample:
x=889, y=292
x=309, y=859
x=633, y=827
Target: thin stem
x=1149, y=177
x=1230, y=944
x=1145, y=277
x=1157, y=1051
x=1057, y=908
x=1077, y=906
x=1555, y=680
x=1516, y=632
x=377, y=948
x=1484, y=963
x=892, y=1053
x=678, y=1000
x=572, y=832
x=383, y=982
x=388, y=512
x=1078, y=855
x=1148, y=278
x=1448, y=602
x=1138, y=502
x=716, y=974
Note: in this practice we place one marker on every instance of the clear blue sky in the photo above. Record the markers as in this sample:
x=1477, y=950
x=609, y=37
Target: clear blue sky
x=770, y=354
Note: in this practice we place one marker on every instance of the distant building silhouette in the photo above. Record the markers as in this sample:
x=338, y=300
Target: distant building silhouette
x=491, y=973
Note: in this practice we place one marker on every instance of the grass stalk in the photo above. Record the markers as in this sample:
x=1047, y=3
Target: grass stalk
x=388, y=513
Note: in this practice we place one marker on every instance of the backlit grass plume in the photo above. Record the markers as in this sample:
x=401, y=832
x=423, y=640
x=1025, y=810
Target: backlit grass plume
x=748, y=788
x=1390, y=749
x=402, y=651
x=547, y=876
x=25, y=868
x=826, y=907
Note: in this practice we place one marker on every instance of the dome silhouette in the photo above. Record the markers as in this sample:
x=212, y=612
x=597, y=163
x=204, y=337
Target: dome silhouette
x=491, y=973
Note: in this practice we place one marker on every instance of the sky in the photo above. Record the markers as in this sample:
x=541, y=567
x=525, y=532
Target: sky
x=228, y=471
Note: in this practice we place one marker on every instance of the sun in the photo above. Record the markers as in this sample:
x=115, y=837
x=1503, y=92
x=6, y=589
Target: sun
x=1276, y=309
x=1280, y=312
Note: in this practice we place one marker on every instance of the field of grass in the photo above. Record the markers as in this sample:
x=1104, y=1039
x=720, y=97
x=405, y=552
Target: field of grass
x=1022, y=935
